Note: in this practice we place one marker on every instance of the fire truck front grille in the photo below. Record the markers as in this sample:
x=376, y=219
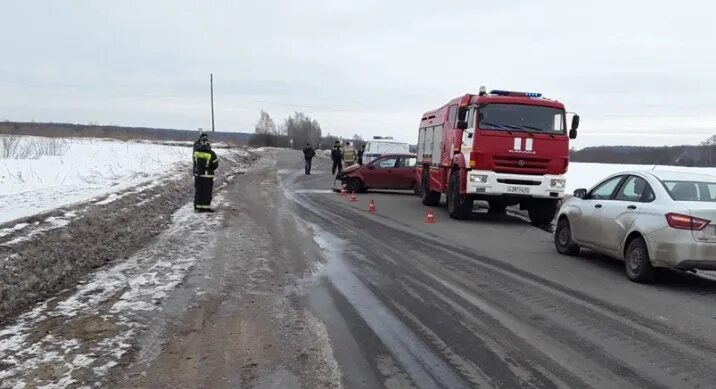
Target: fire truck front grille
x=518, y=182
x=520, y=164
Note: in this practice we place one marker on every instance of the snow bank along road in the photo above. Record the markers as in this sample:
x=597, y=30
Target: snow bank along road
x=291, y=285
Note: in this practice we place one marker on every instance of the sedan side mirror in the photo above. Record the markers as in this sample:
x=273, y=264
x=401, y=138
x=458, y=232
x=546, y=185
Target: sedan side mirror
x=462, y=125
x=581, y=193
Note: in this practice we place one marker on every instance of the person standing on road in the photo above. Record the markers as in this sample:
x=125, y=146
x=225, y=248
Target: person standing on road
x=205, y=162
x=337, y=157
x=308, y=154
x=349, y=155
x=361, y=151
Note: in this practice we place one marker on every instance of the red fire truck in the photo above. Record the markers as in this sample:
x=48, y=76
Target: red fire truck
x=503, y=147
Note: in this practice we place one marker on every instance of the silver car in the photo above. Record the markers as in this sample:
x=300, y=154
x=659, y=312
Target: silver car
x=648, y=219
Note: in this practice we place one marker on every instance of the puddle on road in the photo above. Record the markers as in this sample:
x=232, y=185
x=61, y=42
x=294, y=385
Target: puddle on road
x=424, y=367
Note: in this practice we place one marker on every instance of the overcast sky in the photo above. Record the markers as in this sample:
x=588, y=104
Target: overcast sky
x=637, y=72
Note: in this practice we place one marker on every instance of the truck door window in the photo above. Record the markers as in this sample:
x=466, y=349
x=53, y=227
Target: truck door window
x=452, y=115
x=558, y=123
x=471, y=118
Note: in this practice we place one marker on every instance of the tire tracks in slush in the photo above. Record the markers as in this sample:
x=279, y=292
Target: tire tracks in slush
x=515, y=328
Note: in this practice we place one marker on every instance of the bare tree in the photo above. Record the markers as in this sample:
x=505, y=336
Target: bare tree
x=265, y=125
x=302, y=129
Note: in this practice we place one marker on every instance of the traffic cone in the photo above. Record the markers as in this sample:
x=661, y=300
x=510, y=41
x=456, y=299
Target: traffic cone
x=371, y=206
x=353, y=197
x=430, y=217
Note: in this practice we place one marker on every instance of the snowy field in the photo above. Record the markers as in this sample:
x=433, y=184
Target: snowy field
x=42, y=174
x=80, y=170
x=586, y=175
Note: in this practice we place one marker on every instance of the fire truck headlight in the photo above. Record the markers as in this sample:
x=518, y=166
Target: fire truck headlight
x=558, y=184
x=478, y=179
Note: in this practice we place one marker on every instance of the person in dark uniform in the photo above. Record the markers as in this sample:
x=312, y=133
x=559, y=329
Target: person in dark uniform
x=205, y=162
x=337, y=157
x=308, y=154
x=361, y=151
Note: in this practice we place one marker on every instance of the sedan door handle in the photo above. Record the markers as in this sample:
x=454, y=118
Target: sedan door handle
x=597, y=205
x=632, y=207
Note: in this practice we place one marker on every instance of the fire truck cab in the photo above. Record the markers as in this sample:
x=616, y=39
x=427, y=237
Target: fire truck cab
x=504, y=147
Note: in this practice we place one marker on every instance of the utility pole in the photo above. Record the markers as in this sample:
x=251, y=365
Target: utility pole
x=211, y=82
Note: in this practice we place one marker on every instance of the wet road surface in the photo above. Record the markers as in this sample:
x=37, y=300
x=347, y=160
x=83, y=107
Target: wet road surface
x=488, y=302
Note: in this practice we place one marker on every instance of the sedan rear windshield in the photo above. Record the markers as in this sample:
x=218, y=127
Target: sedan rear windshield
x=691, y=190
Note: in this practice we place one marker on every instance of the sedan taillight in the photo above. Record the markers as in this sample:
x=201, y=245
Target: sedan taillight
x=684, y=222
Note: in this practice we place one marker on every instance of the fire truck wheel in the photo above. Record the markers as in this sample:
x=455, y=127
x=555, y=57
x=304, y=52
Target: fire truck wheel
x=496, y=207
x=459, y=205
x=429, y=197
x=542, y=212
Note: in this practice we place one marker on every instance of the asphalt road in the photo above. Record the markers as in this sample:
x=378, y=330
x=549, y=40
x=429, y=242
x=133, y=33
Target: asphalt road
x=488, y=302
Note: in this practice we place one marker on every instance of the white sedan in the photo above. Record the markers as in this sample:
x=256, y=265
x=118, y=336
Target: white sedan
x=648, y=219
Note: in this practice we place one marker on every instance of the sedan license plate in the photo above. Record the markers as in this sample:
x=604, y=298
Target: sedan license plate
x=518, y=189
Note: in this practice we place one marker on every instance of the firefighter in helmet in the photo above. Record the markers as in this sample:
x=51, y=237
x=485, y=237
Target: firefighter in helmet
x=205, y=162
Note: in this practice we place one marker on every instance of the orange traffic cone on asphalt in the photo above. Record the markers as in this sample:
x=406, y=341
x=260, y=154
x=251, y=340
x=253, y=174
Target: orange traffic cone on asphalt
x=429, y=217
x=353, y=197
x=343, y=190
x=371, y=206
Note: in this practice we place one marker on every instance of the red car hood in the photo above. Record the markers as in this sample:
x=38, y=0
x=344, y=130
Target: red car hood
x=350, y=169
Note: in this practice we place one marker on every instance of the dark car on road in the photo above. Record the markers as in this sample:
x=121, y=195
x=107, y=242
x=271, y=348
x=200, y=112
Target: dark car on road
x=389, y=171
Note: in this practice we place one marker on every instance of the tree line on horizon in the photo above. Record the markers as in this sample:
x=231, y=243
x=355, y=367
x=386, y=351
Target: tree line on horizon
x=303, y=129
x=703, y=155
x=299, y=128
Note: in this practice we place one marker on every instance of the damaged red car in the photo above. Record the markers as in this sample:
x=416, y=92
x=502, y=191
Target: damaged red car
x=389, y=171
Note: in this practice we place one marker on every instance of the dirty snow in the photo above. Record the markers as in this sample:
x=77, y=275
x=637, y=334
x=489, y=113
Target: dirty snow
x=90, y=168
x=50, y=223
x=115, y=300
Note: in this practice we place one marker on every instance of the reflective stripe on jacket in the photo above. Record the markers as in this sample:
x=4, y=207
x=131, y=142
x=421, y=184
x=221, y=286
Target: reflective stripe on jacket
x=349, y=154
x=205, y=162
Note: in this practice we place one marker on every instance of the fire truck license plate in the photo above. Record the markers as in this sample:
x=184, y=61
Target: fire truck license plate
x=517, y=189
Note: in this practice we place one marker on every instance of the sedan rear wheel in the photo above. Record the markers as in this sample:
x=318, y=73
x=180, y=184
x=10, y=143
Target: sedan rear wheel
x=637, y=262
x=417, y=189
